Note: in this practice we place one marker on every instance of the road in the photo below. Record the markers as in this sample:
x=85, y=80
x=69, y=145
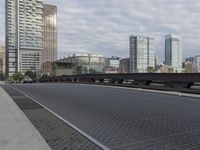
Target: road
x=123, y=118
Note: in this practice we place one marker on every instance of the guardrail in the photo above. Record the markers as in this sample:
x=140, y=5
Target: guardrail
x=165, y=81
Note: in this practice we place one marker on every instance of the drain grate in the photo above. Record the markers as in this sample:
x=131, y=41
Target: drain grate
x=25, y=103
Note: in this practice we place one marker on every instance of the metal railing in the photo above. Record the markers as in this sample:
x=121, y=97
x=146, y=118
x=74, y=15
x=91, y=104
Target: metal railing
x=165, y=81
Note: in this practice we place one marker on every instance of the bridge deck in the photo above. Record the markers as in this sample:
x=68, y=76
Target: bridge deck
x=124, y=119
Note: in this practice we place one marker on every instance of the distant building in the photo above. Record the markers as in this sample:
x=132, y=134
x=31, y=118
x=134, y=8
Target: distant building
x=124, y=66
x=49, y=53
x=47, y=67
x=197, y=63
x=168, y=69
x=31, y=35
x=57, y=68
x=142, y=54
x=2, y=60
x=192, y=64
x=86, y=63
x=190, y=60
x=61, y=68
x=112, y=65
x=173, y=52
x=24, y=35
x=156, y=62
x=188, y=65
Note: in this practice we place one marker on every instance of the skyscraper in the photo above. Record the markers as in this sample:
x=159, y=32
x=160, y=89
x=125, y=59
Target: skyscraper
x=49, y=53
x=24, y=35
x=173, y=52
x=142, y=54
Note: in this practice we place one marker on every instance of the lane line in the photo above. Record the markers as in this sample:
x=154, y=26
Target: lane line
x=67, y=122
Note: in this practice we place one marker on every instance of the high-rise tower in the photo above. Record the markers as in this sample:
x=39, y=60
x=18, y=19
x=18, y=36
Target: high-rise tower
x=173, y=52
x=24, y=35
x=49, y=53
x=142, y=54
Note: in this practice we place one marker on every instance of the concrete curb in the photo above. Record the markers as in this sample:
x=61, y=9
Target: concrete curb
x=16, y=131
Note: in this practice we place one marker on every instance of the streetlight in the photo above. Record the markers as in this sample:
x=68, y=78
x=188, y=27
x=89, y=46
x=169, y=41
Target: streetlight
x=36, y=58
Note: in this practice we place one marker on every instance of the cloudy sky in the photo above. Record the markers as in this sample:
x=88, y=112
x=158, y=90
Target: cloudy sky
x=104, y=26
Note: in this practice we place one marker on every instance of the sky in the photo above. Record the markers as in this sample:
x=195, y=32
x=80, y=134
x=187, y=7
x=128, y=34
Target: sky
x=104, y=26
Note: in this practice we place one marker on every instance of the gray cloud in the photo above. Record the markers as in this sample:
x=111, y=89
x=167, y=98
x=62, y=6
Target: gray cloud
x=104, y=26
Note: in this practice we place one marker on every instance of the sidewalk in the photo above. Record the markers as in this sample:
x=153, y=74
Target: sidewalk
x=16, y=131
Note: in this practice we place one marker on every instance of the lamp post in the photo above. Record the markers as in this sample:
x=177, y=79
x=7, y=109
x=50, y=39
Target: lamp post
x=36, y=58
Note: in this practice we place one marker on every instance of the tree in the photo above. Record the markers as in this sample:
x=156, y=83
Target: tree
x=151, y=69
x=18, y=77
x=45, y=75
x=31, y=74
x=1, y=75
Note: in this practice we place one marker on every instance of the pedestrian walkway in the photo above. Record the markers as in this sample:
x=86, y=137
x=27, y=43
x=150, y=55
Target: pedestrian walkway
x=16, y=131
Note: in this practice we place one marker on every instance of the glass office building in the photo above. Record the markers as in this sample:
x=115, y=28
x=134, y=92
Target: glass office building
x=86, y=63
x=142, y=54
x=49, y=53
x=24, y=35
x=173, y=52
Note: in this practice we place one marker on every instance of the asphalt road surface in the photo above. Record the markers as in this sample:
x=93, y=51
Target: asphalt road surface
x=122, y=118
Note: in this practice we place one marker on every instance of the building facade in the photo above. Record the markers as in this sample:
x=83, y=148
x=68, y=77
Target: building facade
x=112, y=65
x=86, y=63
x=24, y=35
x=124, y=66
x=192, y=64
x=197, y=63
x=142, y=54
x=190, y=60
x=166, y=69
x=188, y=65
x=62, y=68
x=2, y=60
x=49, y=53
x=173, y=52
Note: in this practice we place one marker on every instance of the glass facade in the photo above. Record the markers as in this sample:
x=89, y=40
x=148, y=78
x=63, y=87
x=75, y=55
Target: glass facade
x=142, y=54
x=49, y=53
x=24, y=35
x=86, y=63
x=173, y=51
